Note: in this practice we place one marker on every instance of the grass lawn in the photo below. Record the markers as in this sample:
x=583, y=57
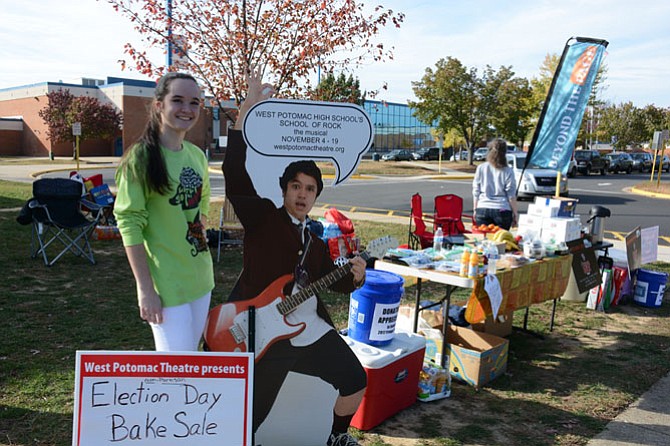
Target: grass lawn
x=560, y=389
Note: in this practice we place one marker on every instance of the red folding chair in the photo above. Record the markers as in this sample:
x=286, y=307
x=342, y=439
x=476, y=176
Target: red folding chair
x=448, y=214
x=419, y=236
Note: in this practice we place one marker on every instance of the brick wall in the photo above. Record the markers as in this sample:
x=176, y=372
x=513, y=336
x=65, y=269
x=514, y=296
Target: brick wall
x=10, y=142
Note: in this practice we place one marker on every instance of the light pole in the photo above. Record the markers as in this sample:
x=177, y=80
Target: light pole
x=168, y=12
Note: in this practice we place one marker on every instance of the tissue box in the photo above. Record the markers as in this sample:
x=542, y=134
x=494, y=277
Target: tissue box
x=565, y=207
x=540, y=210
x=530, y=226
x=559, y=229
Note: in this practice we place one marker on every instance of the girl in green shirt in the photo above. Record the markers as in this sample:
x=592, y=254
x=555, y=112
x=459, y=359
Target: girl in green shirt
x=161, y=209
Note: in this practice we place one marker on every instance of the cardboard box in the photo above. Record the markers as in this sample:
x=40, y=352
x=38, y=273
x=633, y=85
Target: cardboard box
x=476, y=358
x=561, y=229
x=540, y=210
x=565, y=207
x=393, y=377
x=428, y=318
x=530, y=226
x=501, y=327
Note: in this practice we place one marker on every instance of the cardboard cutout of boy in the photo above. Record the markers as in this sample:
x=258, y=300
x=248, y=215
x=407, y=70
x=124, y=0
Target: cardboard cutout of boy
x=278, y=246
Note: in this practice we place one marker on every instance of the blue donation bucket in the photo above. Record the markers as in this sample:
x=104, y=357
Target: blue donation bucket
x=373, y=308
x=649, y=288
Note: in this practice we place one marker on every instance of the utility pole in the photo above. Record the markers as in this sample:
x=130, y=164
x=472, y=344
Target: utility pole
x=168, y=12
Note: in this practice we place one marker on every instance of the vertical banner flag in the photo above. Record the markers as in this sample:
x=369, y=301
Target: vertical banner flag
x=561, y=116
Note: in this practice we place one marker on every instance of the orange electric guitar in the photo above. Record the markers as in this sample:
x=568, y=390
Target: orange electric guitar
x=227, y=328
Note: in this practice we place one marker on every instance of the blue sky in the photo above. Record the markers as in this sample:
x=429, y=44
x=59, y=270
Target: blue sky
x=48, y=40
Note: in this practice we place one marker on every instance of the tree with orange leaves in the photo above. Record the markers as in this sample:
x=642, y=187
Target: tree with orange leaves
x=286, y=40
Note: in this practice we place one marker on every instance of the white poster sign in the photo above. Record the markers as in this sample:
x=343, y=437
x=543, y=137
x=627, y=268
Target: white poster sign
x=285, y=130
x=649, y=238
x=159, y=398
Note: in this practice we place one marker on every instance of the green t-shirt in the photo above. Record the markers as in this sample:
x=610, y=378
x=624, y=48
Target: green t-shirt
x=169, y=225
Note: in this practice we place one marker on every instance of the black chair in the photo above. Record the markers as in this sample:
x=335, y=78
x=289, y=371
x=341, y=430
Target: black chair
x=58, y=217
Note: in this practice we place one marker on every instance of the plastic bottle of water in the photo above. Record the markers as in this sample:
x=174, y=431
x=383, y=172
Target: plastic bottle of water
x=493, y=259
x=438, y=240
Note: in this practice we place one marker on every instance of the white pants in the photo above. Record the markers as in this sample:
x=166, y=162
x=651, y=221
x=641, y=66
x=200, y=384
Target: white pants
x=182, y=326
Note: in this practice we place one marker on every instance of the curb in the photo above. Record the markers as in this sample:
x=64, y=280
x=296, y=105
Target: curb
x=65, y=169
x=649, y=194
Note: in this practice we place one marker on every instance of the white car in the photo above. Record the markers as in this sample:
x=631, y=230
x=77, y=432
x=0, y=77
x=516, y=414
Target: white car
x=536, y=180
x=480, y=154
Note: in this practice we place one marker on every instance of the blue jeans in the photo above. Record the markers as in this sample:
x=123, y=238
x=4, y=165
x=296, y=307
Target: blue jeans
x=498, y=217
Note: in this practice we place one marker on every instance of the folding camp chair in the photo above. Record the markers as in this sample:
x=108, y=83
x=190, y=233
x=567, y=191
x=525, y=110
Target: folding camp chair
x=419, y=236
x=228, y=222
x=58, y=219
x=448, y=214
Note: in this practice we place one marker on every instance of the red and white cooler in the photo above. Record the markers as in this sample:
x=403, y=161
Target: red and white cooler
x=393, y=377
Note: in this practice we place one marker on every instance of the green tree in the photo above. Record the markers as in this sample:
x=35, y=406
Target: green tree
x=450, y=96
x=338, y=89
x=512, y=107
x=64, y=109
x=542, y=83
x=655, y=119
x=455, y=97
x=627, y=123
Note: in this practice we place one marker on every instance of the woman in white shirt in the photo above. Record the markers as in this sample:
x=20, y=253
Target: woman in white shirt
x=494, y=189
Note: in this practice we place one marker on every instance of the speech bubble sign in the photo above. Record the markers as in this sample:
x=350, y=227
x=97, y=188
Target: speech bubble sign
x=340, y=132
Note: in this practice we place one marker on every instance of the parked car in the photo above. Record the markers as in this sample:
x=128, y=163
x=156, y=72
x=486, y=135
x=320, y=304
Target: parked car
x=459, y=155
x=572, y=168
x=427, y=154
x=641, y=161
x=590, y=161
x=620, y=162
x=480, y=153
x=536, y=180
x=398, y=155
x=663, y=162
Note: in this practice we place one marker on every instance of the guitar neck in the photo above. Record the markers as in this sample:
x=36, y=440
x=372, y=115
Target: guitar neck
x=291, y=302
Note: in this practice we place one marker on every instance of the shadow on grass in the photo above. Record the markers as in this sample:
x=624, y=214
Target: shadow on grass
x=21, y=426
x=561, y=389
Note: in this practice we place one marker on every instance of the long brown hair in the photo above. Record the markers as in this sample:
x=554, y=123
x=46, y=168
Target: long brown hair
x=497, y=153
x=151, y=168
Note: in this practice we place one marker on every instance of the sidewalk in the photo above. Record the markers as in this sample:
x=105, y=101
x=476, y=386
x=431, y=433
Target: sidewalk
x=645, y=422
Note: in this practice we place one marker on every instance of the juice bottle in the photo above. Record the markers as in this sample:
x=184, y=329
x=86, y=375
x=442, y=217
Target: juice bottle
x=473, y=270
x=465, y=263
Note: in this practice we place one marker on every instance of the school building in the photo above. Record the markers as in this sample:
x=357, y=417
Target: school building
x=24, y=133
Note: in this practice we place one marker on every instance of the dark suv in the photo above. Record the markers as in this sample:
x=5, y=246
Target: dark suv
x=590, y=161
x=620, y=162
x=642, y=161
x=427, y=154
